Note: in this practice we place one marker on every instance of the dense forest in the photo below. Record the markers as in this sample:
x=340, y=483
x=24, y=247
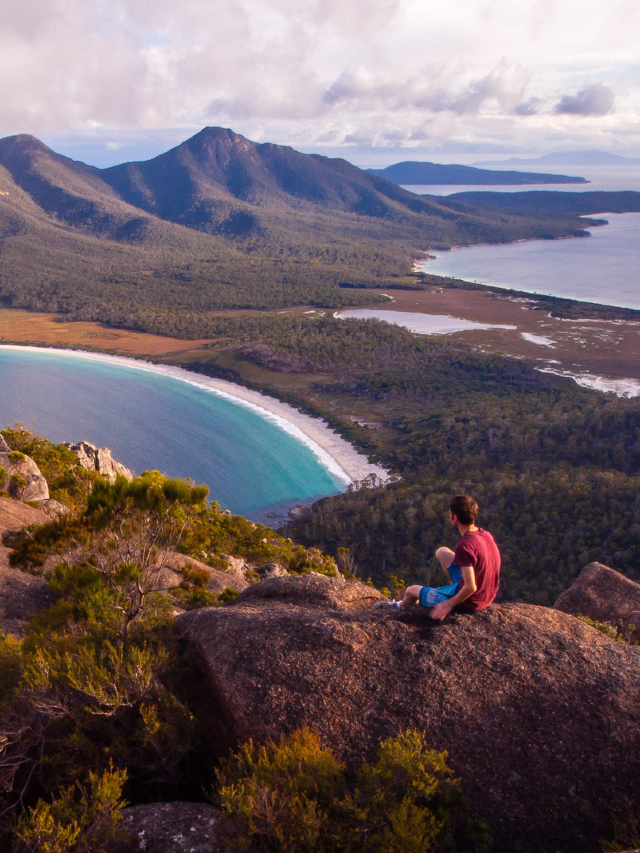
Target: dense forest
x=555, y=468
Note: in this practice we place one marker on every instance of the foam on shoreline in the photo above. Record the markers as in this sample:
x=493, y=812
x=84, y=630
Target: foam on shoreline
x=619, y=387
x=333, y=452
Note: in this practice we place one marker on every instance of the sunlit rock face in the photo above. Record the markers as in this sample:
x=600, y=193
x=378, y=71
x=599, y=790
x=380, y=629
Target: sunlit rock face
x=539, y=712
x=605, y=595
x=99, y=459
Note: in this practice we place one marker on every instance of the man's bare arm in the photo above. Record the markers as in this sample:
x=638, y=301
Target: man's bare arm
x=467, y=589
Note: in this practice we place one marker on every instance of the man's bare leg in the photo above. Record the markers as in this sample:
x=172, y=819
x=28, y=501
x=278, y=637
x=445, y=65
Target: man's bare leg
x=411, y=596
x=412, y=593
x=445, y=557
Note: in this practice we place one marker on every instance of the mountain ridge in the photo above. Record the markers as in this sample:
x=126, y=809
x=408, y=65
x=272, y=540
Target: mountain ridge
x=219, y=222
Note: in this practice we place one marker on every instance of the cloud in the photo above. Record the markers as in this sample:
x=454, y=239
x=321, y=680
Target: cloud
x=530, y=107
x=433, y=89
x=312, y=71
x=593, y=100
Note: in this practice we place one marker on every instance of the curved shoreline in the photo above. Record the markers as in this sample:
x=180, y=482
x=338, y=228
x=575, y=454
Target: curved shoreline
x=333, y=452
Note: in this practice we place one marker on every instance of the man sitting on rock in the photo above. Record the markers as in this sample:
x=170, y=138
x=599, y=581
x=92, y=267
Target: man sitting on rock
x=473, y=568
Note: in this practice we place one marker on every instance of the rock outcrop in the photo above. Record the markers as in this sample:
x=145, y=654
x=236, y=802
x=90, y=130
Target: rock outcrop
x=23, y=479
x=21, y=594
x=175, y=564
x=539, y=712
x=313, y=590
x=605, y=595
x=173, y=828
x=99, y=459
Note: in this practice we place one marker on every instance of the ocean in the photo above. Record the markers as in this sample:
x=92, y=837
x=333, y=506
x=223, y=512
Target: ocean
x=601, y=268
x=155, y=421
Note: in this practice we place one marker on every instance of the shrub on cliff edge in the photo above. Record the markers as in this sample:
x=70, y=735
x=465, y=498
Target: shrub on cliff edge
x=294, y=796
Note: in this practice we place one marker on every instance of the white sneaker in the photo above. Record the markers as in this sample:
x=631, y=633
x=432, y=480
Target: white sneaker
x=386, y=605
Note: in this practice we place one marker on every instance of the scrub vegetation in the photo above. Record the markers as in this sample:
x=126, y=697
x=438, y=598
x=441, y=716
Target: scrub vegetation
x=86, y=711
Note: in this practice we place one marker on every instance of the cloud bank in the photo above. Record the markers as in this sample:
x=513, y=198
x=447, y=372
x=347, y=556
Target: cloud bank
x=323, y=72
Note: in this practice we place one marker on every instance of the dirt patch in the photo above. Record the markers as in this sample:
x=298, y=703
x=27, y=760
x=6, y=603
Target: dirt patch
x=24, y=327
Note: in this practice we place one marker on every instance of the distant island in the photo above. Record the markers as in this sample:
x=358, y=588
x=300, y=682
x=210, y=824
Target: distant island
x=416, y=172
x=566, y=158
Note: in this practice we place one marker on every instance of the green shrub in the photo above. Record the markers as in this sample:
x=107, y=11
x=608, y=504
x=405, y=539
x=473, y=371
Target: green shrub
x=295, y=796
x=228, y=595
x=18, y=482
x=626, y=834
x=16, y=457
x=82, y=819
x=619, y=634
x=278, y=797
x=193, y=592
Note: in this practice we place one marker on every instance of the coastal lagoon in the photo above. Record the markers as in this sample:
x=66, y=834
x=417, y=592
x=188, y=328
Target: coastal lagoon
x=150, y=419
x=422, y=324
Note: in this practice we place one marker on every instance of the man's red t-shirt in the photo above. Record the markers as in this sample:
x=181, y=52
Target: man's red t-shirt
x=478, y=549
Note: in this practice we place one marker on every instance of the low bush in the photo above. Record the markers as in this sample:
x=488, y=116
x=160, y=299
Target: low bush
x=295, y=796
x=81, y=819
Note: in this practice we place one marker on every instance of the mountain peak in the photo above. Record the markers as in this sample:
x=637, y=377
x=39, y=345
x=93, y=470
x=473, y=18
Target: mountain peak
x=216, y=139
x=24, y=143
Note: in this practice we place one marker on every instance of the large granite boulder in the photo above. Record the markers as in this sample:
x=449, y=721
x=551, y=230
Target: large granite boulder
x=539, y=712
x=99, y=459
x=23, y=479
x=605, y=595
x=173, y=828
x=21, y=594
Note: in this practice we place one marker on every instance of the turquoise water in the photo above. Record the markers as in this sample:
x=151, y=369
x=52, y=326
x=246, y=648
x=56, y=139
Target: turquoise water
x=152, y=421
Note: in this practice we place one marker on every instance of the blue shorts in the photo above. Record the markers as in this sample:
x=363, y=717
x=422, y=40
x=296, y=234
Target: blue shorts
x=432, y=595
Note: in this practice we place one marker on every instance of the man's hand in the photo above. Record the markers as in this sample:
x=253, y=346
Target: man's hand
x=440, y=611
x=469, y=586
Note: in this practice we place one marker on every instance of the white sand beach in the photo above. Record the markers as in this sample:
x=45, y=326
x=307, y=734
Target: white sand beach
x=334, y=453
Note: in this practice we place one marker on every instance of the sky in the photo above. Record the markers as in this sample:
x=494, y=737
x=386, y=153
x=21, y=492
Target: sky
x=374, y=81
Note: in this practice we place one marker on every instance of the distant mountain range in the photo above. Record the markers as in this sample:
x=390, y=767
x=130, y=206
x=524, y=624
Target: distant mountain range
x=218, y=222
x=416, y=172
x=566, y=158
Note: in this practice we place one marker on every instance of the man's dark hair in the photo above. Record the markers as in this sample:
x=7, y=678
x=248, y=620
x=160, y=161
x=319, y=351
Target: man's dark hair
x=464, y=508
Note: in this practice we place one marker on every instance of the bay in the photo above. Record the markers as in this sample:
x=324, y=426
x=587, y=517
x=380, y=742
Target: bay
x=154, y=421
x=601, y=268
